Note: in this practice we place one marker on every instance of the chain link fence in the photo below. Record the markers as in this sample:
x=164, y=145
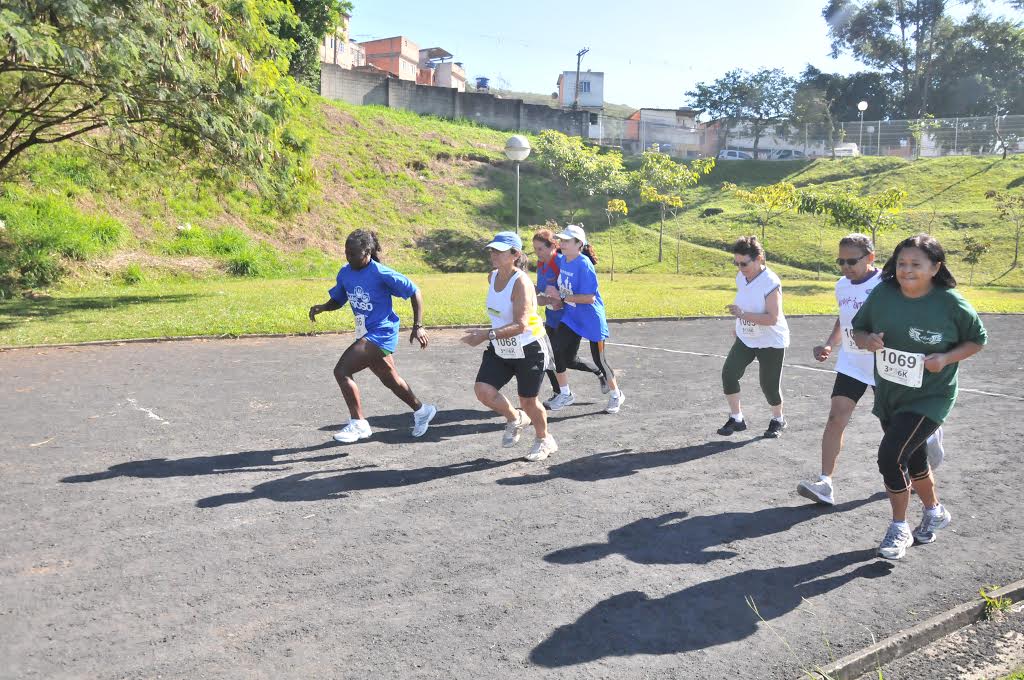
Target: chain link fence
x=926, y=138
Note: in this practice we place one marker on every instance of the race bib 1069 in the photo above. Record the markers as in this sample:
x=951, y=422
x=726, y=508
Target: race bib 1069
x=508, y=348
x=902, y=368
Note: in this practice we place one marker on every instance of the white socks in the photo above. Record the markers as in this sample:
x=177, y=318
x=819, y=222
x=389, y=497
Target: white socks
x=738, y=417
x=421, y=411
x=934, y=512
x=564, y=389
x=826, y=479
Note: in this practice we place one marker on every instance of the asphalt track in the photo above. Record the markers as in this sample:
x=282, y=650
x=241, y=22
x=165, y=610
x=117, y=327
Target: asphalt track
x=179, y=510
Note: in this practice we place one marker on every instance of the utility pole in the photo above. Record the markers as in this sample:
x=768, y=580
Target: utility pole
x=579, y=58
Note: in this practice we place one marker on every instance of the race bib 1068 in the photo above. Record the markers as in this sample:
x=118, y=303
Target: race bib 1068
x=750, y=330
x=508, y=348
x=849, y=345
x=902, y=368
x=360, y=325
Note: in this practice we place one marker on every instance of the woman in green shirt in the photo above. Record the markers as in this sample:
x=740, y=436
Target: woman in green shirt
x=919, y=329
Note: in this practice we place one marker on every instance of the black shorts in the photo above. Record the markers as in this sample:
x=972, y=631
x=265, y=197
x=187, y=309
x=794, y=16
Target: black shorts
x=848, y=387
x=528, y=371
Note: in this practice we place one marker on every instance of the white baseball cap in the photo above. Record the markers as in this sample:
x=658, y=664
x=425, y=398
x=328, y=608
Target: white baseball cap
x=573, y=231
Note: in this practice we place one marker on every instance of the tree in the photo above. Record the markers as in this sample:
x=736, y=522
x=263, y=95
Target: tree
x=580, y=169
x=1011, y=208
x=766, y=202
x=917, y=129
x=316, y=19
x=615, y=210
x=899, y=37
x=973, y=249
x=880, y=209
x=760, y=99
x=661, y=180
x=193, y=78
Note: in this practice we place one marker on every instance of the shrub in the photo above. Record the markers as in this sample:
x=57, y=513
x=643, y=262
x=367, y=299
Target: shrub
x=189, y=241
x=131, y=275
x=254, y=261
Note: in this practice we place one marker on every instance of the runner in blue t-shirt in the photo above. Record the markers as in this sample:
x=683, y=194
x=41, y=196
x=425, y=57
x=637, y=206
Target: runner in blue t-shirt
x=368, y=286
x=548, y=258
x=583, y=316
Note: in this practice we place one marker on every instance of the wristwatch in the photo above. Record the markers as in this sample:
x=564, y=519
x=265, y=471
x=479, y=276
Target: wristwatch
x=562, y=295
x=492, y=335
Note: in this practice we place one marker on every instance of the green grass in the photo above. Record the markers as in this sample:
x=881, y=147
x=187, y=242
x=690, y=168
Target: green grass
x=1016, y=675
x=227, y=306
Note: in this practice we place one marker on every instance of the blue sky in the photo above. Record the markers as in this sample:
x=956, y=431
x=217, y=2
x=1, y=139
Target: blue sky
x=651, y=52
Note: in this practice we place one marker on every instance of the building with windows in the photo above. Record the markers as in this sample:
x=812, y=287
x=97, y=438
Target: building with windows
x=591, y=90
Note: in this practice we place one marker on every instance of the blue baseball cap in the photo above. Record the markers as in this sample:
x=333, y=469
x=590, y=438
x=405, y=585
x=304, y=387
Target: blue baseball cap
x=506, y=240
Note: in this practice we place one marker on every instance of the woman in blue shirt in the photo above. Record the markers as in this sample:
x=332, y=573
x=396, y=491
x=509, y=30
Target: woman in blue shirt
x=583, y=315
x=368, y=286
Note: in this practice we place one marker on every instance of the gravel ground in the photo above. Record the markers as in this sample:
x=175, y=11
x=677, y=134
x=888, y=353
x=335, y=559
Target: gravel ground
x=179, y=510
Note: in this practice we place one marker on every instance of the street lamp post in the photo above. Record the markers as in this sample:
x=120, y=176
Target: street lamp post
x=517, y=148
x=861, y=108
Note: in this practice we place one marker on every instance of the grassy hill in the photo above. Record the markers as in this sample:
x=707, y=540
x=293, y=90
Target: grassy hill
x=435, y=190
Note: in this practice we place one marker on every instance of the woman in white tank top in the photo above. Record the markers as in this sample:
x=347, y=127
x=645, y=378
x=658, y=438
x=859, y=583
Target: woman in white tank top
x=516, y=347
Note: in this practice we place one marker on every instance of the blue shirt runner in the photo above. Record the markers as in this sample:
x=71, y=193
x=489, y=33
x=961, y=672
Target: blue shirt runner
x=580, y=278
x=368, y=291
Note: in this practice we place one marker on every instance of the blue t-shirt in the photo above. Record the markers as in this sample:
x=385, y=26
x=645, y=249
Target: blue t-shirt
x=579, y=278
x=368, y=291
x=547, y=275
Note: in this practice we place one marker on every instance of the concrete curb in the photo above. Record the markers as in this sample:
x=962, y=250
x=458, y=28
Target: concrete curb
x=870, y=658
x=256, y=336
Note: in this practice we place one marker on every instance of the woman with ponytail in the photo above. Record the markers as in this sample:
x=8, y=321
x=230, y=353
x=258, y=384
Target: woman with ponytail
x=368, y=286
x=583, y=316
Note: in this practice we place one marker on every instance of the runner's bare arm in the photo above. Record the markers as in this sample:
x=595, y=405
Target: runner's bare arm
x=822, y=352
x=328, y=306
x=418, y=334
x=869, y=341
x=523, y=302
x=965, y=350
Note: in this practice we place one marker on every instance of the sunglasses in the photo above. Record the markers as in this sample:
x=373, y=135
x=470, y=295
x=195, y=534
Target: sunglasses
x=738, y=263
x=849, y=261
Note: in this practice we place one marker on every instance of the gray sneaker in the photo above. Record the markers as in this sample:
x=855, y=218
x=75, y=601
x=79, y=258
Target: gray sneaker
x=514, y=429
x=819, y=492
x=421, y=423
x=542, y=448
x=933, y=447
x=615, y=402
x=560, y=401
x=897, y=540
x=925, y=531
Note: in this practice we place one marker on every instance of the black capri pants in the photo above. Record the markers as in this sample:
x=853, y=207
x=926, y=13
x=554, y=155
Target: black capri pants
x=901, y=455
x=528, y=371
x=567, y=345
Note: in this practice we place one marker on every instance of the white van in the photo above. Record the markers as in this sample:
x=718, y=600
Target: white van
x=847, y=150
x=734, y=155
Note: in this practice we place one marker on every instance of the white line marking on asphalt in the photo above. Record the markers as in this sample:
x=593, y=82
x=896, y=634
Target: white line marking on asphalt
x=805, y=368
x=147, y=411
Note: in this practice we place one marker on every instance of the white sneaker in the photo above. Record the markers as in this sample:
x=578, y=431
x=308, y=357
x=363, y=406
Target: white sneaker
x=819, y=492
x=933, y=447
x=541, y=449
x=353, y=432
x=560, y=401
x=514, y=429
x=897, y=539
x=421, y=423
x=615, y=402
x=925, y=531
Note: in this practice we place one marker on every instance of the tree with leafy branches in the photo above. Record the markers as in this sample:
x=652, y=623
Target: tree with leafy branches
x=316, y=19
x=615, y=210
x=972, y=251
x=1010, y=207
x=767, y=202
x=663, y=181
x=581, y=170
x=200, y=80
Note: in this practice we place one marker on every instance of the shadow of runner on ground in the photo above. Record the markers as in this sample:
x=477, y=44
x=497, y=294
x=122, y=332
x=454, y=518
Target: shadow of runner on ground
x=701, y=616
x=396, y=428
x=245, y=461
x=676, y=538
x=623, y=463
x=312, y=486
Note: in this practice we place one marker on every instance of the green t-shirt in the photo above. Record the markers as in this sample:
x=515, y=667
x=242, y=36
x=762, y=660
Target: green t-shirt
x=932, y=324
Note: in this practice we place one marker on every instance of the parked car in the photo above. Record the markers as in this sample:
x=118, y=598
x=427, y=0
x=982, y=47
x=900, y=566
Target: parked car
x=734, y=155
x=788, y=155
x=847, y=150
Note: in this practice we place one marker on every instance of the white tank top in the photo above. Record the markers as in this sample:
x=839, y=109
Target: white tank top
x=499, y=308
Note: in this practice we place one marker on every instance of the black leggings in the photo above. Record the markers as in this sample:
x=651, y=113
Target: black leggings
x=769, y=369
x=567, y=346
x=901, y=455
x=575, y=363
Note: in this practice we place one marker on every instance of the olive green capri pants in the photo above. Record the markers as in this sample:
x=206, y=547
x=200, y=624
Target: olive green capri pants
x=769, y=362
